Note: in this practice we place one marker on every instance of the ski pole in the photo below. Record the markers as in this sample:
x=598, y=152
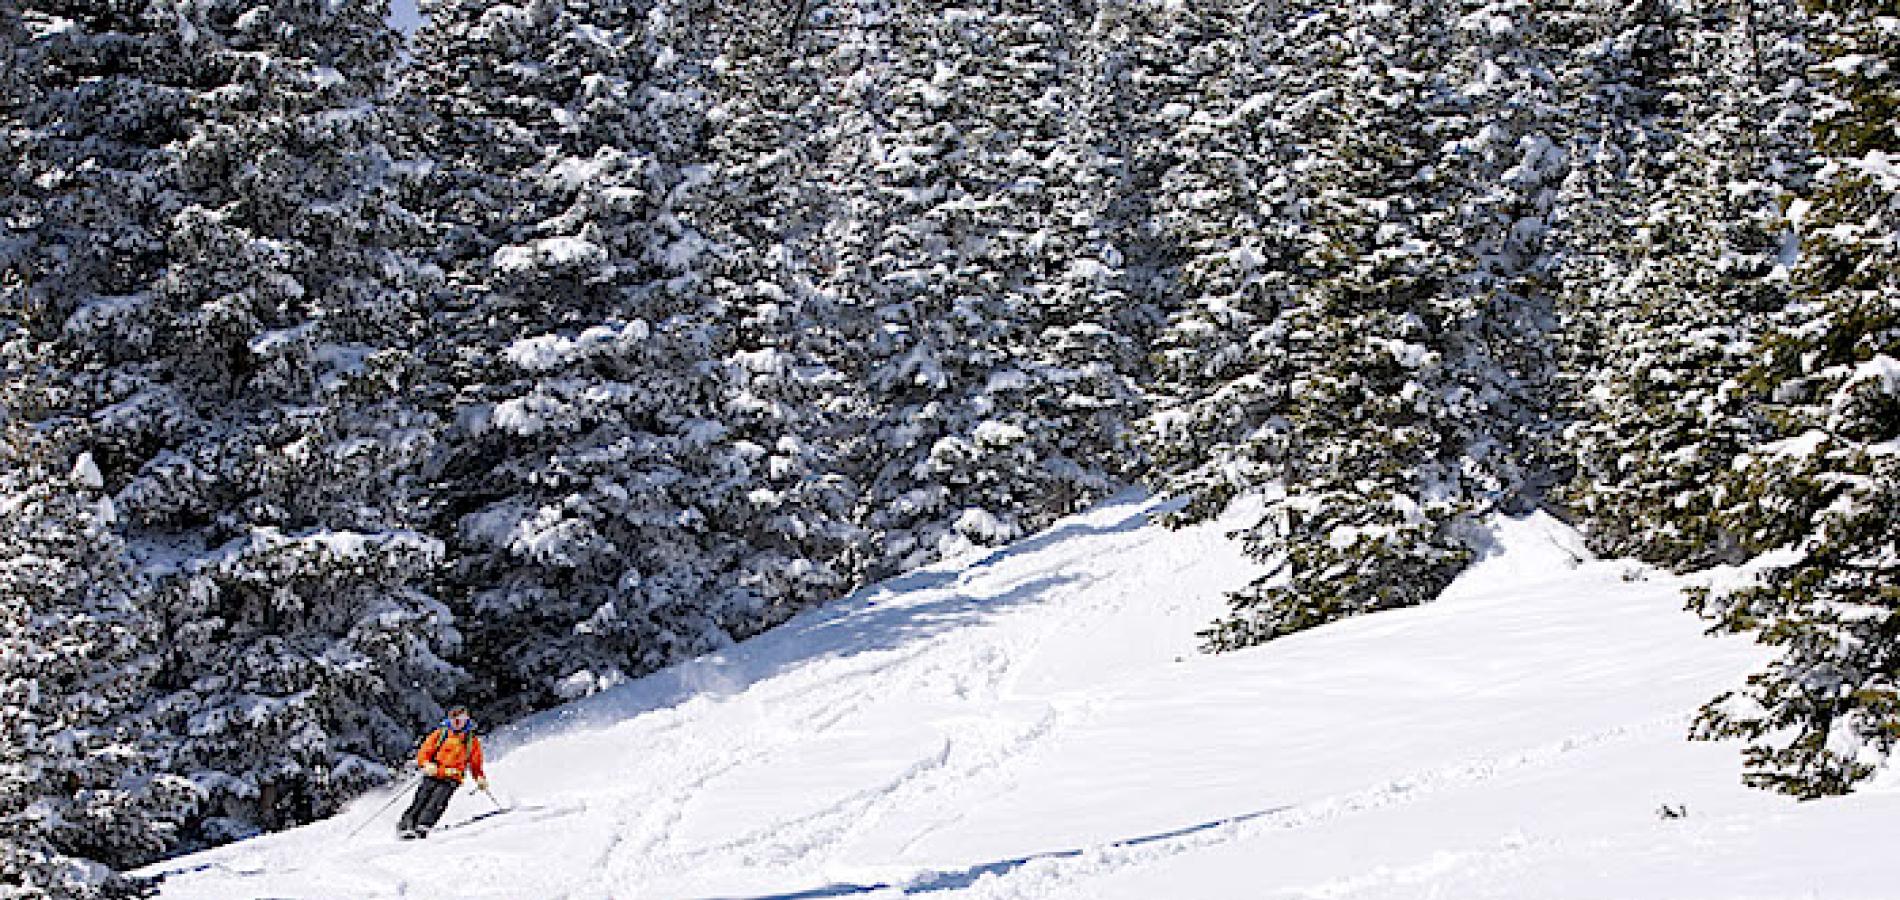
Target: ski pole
x=493, y=799
x=392, y=802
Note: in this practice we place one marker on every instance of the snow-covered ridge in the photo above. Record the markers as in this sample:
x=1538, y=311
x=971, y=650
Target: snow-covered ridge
x=1034, y=722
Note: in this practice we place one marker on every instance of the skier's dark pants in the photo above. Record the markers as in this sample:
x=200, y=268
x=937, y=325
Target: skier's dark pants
x=431, y=799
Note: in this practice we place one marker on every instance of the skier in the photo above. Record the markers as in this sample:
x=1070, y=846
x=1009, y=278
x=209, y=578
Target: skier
x=449, y=751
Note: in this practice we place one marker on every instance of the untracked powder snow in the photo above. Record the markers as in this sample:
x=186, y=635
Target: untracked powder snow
x=1035, y=722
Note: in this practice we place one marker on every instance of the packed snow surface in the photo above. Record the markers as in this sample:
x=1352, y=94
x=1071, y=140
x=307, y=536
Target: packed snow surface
x=1035, y=722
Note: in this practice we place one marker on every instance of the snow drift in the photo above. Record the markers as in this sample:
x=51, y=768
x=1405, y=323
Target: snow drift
x=1035, y=722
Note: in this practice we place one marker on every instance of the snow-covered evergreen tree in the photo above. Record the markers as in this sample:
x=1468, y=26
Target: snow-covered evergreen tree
x=1504, y=157
x=972, y=168
x=1225, y=92
x=304, y=641
x=764, y=207
x=1378, y=483
x=1824, y=496
x=81, y=782
x=1704, y=262
x=580, y=344
x=1084, y=334
x=1616, y=85
x=212, y=300
x=84, y=123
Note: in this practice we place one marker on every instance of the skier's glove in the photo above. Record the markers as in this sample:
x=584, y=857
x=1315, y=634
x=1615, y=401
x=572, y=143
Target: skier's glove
x=429, y=769
x=481, y=784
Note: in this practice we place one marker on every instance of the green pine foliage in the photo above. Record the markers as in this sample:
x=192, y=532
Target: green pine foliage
x=778, y=343
x=985, y=283
x=282, y=461
x=1399, y=368
x=573, y=345
x=78, y=634
x=81, y=786
x=1699, y=269
x=1826, y=713
x=206, y=316
x=1823, y=497
x=1222, y=254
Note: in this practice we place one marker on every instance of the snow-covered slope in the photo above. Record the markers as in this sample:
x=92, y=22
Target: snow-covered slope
x=1035, y=723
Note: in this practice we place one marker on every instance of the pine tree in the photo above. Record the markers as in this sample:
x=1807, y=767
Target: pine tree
x=1078, y=357
x=1505, y=131
x=86, y=110
x=1379, y=483
x=81, y=788
x=1111, y=290
x=1616, y=87
x=1222, y=132
x=1705, y=264
x=764, y=208
x=969, y=175
x=302, y=624
x=578, y=345
x=1826, y=494
x=213, y=301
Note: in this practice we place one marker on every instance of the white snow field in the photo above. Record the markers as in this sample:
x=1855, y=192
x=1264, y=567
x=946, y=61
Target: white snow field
x=1035, y=722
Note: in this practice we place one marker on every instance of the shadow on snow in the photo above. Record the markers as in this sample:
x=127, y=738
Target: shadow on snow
x=958, y=880
x=862, y=622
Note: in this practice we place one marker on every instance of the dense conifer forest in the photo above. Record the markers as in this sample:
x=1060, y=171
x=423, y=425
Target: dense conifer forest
x=349, y=373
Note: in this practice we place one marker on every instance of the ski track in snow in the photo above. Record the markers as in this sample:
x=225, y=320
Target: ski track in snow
x=1067, y=869
x=1051, y=872
x=977, y=674
x=1034, y=723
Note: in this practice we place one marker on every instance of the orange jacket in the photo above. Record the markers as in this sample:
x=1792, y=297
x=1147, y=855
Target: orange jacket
x=453, y=752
